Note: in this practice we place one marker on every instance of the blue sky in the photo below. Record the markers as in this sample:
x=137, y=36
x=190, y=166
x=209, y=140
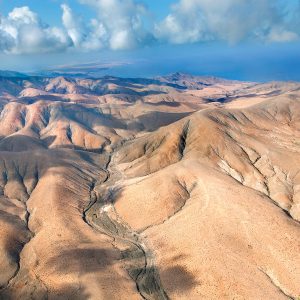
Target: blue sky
x=240, y=39
x=52, y=13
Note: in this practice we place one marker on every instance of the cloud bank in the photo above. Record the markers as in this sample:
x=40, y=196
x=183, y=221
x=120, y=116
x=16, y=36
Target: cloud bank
x=127, y=24
x=119, y=23
x=23, y=32
x=229, y=20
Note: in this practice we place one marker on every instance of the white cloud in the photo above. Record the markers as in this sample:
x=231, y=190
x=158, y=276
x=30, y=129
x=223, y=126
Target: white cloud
x=122, y=21
x=23, y=15
x=97, y=36
x=120, y=24
x=73, y=25
x=23, y=32
x=227, y=20
x=281, y=35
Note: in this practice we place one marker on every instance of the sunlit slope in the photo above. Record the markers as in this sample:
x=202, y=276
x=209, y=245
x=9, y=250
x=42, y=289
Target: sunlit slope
x=177, y=187
x=217, y=195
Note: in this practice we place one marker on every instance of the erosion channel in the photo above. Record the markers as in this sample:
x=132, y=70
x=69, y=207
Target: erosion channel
x=138, y=258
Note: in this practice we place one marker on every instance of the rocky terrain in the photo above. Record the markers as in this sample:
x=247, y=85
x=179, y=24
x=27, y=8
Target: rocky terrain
x=177, y=187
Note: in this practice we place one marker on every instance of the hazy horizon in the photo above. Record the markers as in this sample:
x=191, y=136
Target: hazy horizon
x=256, y=42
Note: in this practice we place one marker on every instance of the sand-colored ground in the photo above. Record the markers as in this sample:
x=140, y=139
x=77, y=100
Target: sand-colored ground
x=175, y=188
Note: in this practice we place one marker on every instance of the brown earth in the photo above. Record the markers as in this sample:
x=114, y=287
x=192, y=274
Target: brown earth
x=177, y=187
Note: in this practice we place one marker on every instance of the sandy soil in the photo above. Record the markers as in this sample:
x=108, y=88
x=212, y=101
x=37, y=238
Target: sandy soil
x=175, y=188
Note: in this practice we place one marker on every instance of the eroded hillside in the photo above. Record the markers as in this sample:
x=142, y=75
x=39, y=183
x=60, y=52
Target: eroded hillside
x=178, y=187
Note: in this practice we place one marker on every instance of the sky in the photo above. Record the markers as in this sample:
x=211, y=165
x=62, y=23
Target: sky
x=255, y=40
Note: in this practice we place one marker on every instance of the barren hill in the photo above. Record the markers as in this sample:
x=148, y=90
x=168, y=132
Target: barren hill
x=177, y=187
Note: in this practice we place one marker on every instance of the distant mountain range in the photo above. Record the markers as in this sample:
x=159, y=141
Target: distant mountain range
x=181, y=80
x=7, y=73
x=87, y=70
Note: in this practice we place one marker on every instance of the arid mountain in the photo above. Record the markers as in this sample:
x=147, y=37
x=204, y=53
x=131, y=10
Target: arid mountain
x=177, y=187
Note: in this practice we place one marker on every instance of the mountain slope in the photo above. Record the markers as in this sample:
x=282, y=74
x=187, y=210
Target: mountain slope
x=226, y=183
x=166, y=190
